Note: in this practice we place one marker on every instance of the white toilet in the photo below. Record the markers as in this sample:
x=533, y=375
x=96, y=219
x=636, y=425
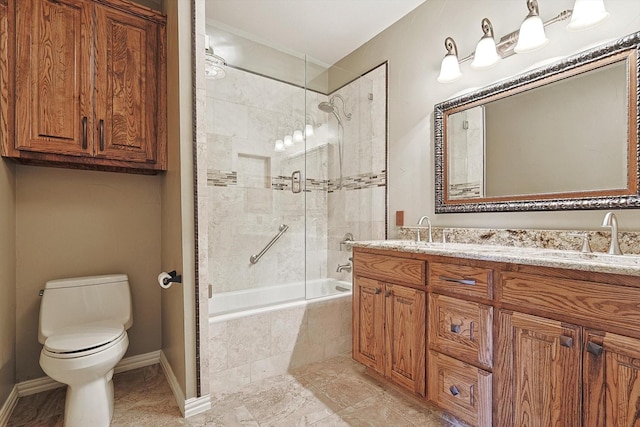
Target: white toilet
x=83, y=326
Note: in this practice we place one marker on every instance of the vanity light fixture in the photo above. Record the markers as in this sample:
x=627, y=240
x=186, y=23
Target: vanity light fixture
x=279, y=146
x=297, y=136
x=530, y=37
x=486, y=54
x=587, y=14
x=213, y=64
x=450, y=68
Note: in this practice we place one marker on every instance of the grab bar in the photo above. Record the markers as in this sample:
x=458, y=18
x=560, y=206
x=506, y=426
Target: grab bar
x=255, y=258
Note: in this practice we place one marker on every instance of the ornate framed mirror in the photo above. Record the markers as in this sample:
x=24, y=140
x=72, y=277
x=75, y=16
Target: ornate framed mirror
x=564, y=136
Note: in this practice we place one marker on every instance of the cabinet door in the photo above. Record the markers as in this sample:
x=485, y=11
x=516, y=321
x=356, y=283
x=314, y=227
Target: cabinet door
x=537, y=372
x=405, y=337
x=368, y=323
x=125, y=86
x=54, y=113
x=611, y=380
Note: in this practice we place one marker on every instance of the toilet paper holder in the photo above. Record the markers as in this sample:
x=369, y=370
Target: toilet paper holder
x=175, y=278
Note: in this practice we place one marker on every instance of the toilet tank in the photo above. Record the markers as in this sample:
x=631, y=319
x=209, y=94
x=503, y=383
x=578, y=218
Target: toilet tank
x=81, y=300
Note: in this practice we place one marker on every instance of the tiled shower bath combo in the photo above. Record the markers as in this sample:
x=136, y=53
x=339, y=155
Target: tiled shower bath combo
x=292, y=306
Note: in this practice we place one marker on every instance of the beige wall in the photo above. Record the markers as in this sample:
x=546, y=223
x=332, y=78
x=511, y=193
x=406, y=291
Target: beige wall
x=77, y=223
x=8, y=282
x=414, y=47
x=178, y=302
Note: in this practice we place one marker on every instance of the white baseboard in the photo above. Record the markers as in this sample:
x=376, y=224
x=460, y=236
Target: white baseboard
x=197, y=405
x=27, y=388
x=190, y=407
x=9, y=405
x=178, y=394
x=139, y=361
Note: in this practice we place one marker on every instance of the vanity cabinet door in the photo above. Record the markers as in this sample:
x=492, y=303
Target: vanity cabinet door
x=537, y=372
x=611, y=380
x=368, y=323
x=405, y=336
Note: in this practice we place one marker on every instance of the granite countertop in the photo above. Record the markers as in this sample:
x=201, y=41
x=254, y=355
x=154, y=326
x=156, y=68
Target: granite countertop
x=596, y=261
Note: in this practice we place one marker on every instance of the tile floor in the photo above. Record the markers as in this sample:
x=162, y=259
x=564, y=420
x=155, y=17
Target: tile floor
x=331, y=393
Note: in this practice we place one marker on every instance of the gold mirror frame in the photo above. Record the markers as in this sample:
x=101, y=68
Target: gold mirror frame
x=626, y=48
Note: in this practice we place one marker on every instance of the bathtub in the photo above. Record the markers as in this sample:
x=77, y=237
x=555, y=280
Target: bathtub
x=250, y=301
x=255, y=334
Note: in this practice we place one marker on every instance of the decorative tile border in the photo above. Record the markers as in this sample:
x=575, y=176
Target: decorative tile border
x=217, y=178
x=360, y=181
x=467, y=190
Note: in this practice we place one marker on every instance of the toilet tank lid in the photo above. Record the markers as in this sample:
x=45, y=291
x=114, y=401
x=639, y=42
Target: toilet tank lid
x=85, y=281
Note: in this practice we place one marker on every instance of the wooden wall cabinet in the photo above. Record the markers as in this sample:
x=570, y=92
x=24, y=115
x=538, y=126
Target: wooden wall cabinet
x=86, y=85
x=389, y=328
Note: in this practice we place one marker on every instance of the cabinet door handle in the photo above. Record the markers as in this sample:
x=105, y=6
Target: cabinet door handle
x=387, y=294
x=566, y=341
x=595, y=349
x=455, y=328
x=378, y=291
x=84, y=133
x=101, y=135
x=470, y=282
x=454, y=390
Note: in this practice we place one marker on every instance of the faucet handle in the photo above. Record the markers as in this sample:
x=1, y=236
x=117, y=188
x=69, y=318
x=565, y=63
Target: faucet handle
x=586, y=247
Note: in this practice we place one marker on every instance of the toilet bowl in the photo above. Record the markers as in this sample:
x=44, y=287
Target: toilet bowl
x=83, y=324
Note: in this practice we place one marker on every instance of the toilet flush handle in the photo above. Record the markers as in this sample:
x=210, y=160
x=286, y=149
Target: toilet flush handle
x=41, y=293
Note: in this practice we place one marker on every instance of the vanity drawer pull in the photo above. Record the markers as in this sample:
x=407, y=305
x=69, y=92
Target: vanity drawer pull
x=454, y=390
x=470, y=282
x=455, y=328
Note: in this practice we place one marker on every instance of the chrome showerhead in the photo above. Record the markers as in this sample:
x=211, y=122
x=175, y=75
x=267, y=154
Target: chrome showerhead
x=327, y=107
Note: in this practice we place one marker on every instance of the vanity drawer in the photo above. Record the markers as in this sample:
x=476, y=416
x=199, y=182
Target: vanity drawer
x=463, y=280
x=462, y=329
x=462, y=389
x=389, y=268
x=606, y=305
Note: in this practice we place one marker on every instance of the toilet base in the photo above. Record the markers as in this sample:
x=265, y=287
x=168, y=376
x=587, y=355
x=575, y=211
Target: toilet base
x=89, y=404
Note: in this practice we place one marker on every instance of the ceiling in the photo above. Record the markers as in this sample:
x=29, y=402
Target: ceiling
x=325, y=30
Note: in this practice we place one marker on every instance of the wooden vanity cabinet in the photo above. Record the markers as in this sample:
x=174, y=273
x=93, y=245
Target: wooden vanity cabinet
x=564, y=365
x=389, y=319
x=90, y=85
x=460, y=340
x=537, y=371
x=611, y=380
x=507, y=344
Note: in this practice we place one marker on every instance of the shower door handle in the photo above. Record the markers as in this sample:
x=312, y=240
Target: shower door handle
x=296, y=182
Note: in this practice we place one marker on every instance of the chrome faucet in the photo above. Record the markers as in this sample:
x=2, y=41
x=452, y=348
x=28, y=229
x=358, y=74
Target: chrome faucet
x=420, y=221
x=610, y=221
x=344, y=267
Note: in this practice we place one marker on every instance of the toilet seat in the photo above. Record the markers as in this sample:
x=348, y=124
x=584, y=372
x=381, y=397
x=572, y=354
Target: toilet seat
x=83, y=340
